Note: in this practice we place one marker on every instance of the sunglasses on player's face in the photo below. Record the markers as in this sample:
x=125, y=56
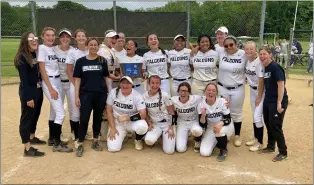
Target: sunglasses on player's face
x=32, y=38
x=228, y=45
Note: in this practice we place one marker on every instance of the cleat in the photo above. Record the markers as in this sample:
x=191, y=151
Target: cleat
x=280, y=157
x=138, y=144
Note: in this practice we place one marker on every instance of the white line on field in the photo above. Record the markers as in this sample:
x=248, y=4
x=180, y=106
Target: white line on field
x=7, y=175
x=227, y=172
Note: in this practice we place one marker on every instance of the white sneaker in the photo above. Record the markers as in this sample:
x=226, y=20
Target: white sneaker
x=250, y=142
x=73, y=136
x=237, y=141
x=64, y=139
x=138, y=144
x=76, y=144
x=197, y=146
x=256, y=147
x=89, y=136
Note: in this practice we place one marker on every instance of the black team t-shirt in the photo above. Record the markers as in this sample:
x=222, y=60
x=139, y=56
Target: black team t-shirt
x=92, y=73
x=273, y=74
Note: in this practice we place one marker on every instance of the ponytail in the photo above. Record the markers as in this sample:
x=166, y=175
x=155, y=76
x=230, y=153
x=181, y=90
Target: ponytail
x=163, y=51
x=160, y=97
x=117, y=91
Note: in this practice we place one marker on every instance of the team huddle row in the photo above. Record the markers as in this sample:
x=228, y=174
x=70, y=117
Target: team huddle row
x=200, y=91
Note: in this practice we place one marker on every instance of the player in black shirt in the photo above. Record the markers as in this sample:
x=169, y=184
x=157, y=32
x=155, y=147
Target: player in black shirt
x=91, y=89
x=30, y=92
x=275, y=104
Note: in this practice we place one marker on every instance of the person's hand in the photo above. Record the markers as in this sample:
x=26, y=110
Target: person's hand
x=112, y=134
x=30, y=103
x=170, y=132
x=77, y=102
x=54, y=94
x=258, y=101
x=145, y=76
x=150, y=126
x=227, y=102
x=279, y=108
x=123, y=118
x=217, y=127
x=194, y=51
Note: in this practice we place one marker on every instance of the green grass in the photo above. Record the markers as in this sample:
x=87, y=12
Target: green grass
x=8, y=51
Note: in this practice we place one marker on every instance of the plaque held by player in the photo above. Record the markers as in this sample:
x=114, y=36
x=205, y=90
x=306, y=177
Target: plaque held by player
x=132, y=70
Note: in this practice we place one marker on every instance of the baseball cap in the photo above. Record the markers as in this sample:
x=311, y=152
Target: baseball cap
x=222, y=29
x=178, y=36
x=111, y=33
x=65, y=31
x=127, y=78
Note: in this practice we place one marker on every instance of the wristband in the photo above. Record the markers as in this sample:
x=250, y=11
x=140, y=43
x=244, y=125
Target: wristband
x=135, y=117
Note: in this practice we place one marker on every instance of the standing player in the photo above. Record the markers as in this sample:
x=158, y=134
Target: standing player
x=49, y=70
x=216, y=120
x=61, y=51
x=160, y=109
x=155, y=62
x=231, y=78
x=254, y=72
x=126, y=112
x=118, y=48
x=73, y=55
x=179, y=64
x=185, y=106
x=204, y=65
x=221, y=34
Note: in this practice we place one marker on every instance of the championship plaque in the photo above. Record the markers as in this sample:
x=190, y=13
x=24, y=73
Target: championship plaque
x=131, y=69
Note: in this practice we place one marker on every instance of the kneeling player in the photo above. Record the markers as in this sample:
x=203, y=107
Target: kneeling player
x=126, y=112
x=216, y=120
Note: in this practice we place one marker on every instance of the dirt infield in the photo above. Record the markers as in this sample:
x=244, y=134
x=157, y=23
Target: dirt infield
x=153, y=166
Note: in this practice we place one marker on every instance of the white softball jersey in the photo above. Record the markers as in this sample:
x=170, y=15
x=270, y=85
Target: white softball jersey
x=75, y=54
x=125, y=104
x=49, y=57
x=253, y=71
x=187, y=112
x=156, y=64
x=219, y=48
x=231, y=68
x=180, y=63
x=205, y=65
x=62, y=55
x=134, y=59
x=152, y=104
x=215, y=112
x=119, y=55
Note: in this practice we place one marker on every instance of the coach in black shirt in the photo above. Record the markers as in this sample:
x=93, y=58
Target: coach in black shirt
x=275, y=104
x=91, y=89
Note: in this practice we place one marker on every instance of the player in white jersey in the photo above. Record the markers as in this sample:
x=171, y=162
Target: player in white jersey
x=118, y=48
x=160, y=109
x=132, y=57
x=231, y=80
x=126, y=112
x=185, y=106
x=61, y=51
x=155, y=62
x=216, y=120
x=221, y=34
x=254, y=72
x=179, y=64
x=73, y=55
x=204, y=65
x=49, y=70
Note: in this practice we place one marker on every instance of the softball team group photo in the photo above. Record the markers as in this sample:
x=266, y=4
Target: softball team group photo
x=172, y=95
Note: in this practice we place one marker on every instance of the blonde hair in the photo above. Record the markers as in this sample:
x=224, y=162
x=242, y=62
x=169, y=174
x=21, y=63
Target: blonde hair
x=250, y=43
x=48, y=29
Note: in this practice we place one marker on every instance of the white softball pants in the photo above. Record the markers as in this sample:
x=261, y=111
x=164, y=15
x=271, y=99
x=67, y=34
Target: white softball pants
x=236, y=99
x=198, y=87
x=164, y=86
x=209, y=140
x=257, y=111
x=183, y=128
x=168, y=144
x=140, y=127
x=56, y=105
x=175, y=84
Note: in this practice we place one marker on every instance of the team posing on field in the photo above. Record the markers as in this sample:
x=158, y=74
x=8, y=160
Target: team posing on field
x=199, y=92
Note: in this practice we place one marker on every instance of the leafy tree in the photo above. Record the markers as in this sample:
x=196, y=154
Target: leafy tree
x=69, y=5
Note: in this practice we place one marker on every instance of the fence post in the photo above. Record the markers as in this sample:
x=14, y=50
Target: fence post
x=115, y=15
x=287, y=63
x=32, y=4
x=188, y=12
x=261, y=32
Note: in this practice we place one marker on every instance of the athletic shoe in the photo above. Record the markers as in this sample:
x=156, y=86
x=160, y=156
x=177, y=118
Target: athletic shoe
x=197, y=146
x=61, y=148
x=222, y=155
x=33, y=152
x=80, y=151
x=64, y=139
x=37, y=141
x=51, y=142
x=266, y=150
x=89, y=136
x=280, y=157
x=96, y=146
x=237, y=141
x=256, y=147
x=250, y=142
x=138, y=144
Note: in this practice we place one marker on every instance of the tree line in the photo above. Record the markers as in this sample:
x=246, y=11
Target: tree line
x=241, y=18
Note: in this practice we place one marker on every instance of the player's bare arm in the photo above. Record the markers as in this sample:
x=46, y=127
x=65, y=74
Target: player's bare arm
x=260, y=91
x=69, y=71
x=113, y=130
x=77, y=84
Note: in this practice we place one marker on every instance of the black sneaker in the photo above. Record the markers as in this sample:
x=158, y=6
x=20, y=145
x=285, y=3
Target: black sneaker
x=266, y=150
x=51, y=142
x=280, y=157
x=222, y=155
x=80, y=151
x=33, y=152
x=96, y=146
x=37, y=141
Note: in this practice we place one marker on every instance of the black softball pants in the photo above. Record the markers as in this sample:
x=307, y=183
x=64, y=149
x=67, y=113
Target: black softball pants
x=91, y=101
x=30, y=116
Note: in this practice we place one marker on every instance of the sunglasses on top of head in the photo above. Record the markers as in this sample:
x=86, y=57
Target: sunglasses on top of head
x=229, y=45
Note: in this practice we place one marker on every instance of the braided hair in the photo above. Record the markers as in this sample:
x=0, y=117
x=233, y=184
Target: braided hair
x=159, y=90
x=117, y=91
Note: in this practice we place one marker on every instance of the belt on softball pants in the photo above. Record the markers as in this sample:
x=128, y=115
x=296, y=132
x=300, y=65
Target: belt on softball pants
x=163, y=121
x=58, y=76
x=133, y=86
x=65, y=81
x=180, y=80
x=206, y=80
x=253, y=87
x=164, y=78
x=229, y=88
